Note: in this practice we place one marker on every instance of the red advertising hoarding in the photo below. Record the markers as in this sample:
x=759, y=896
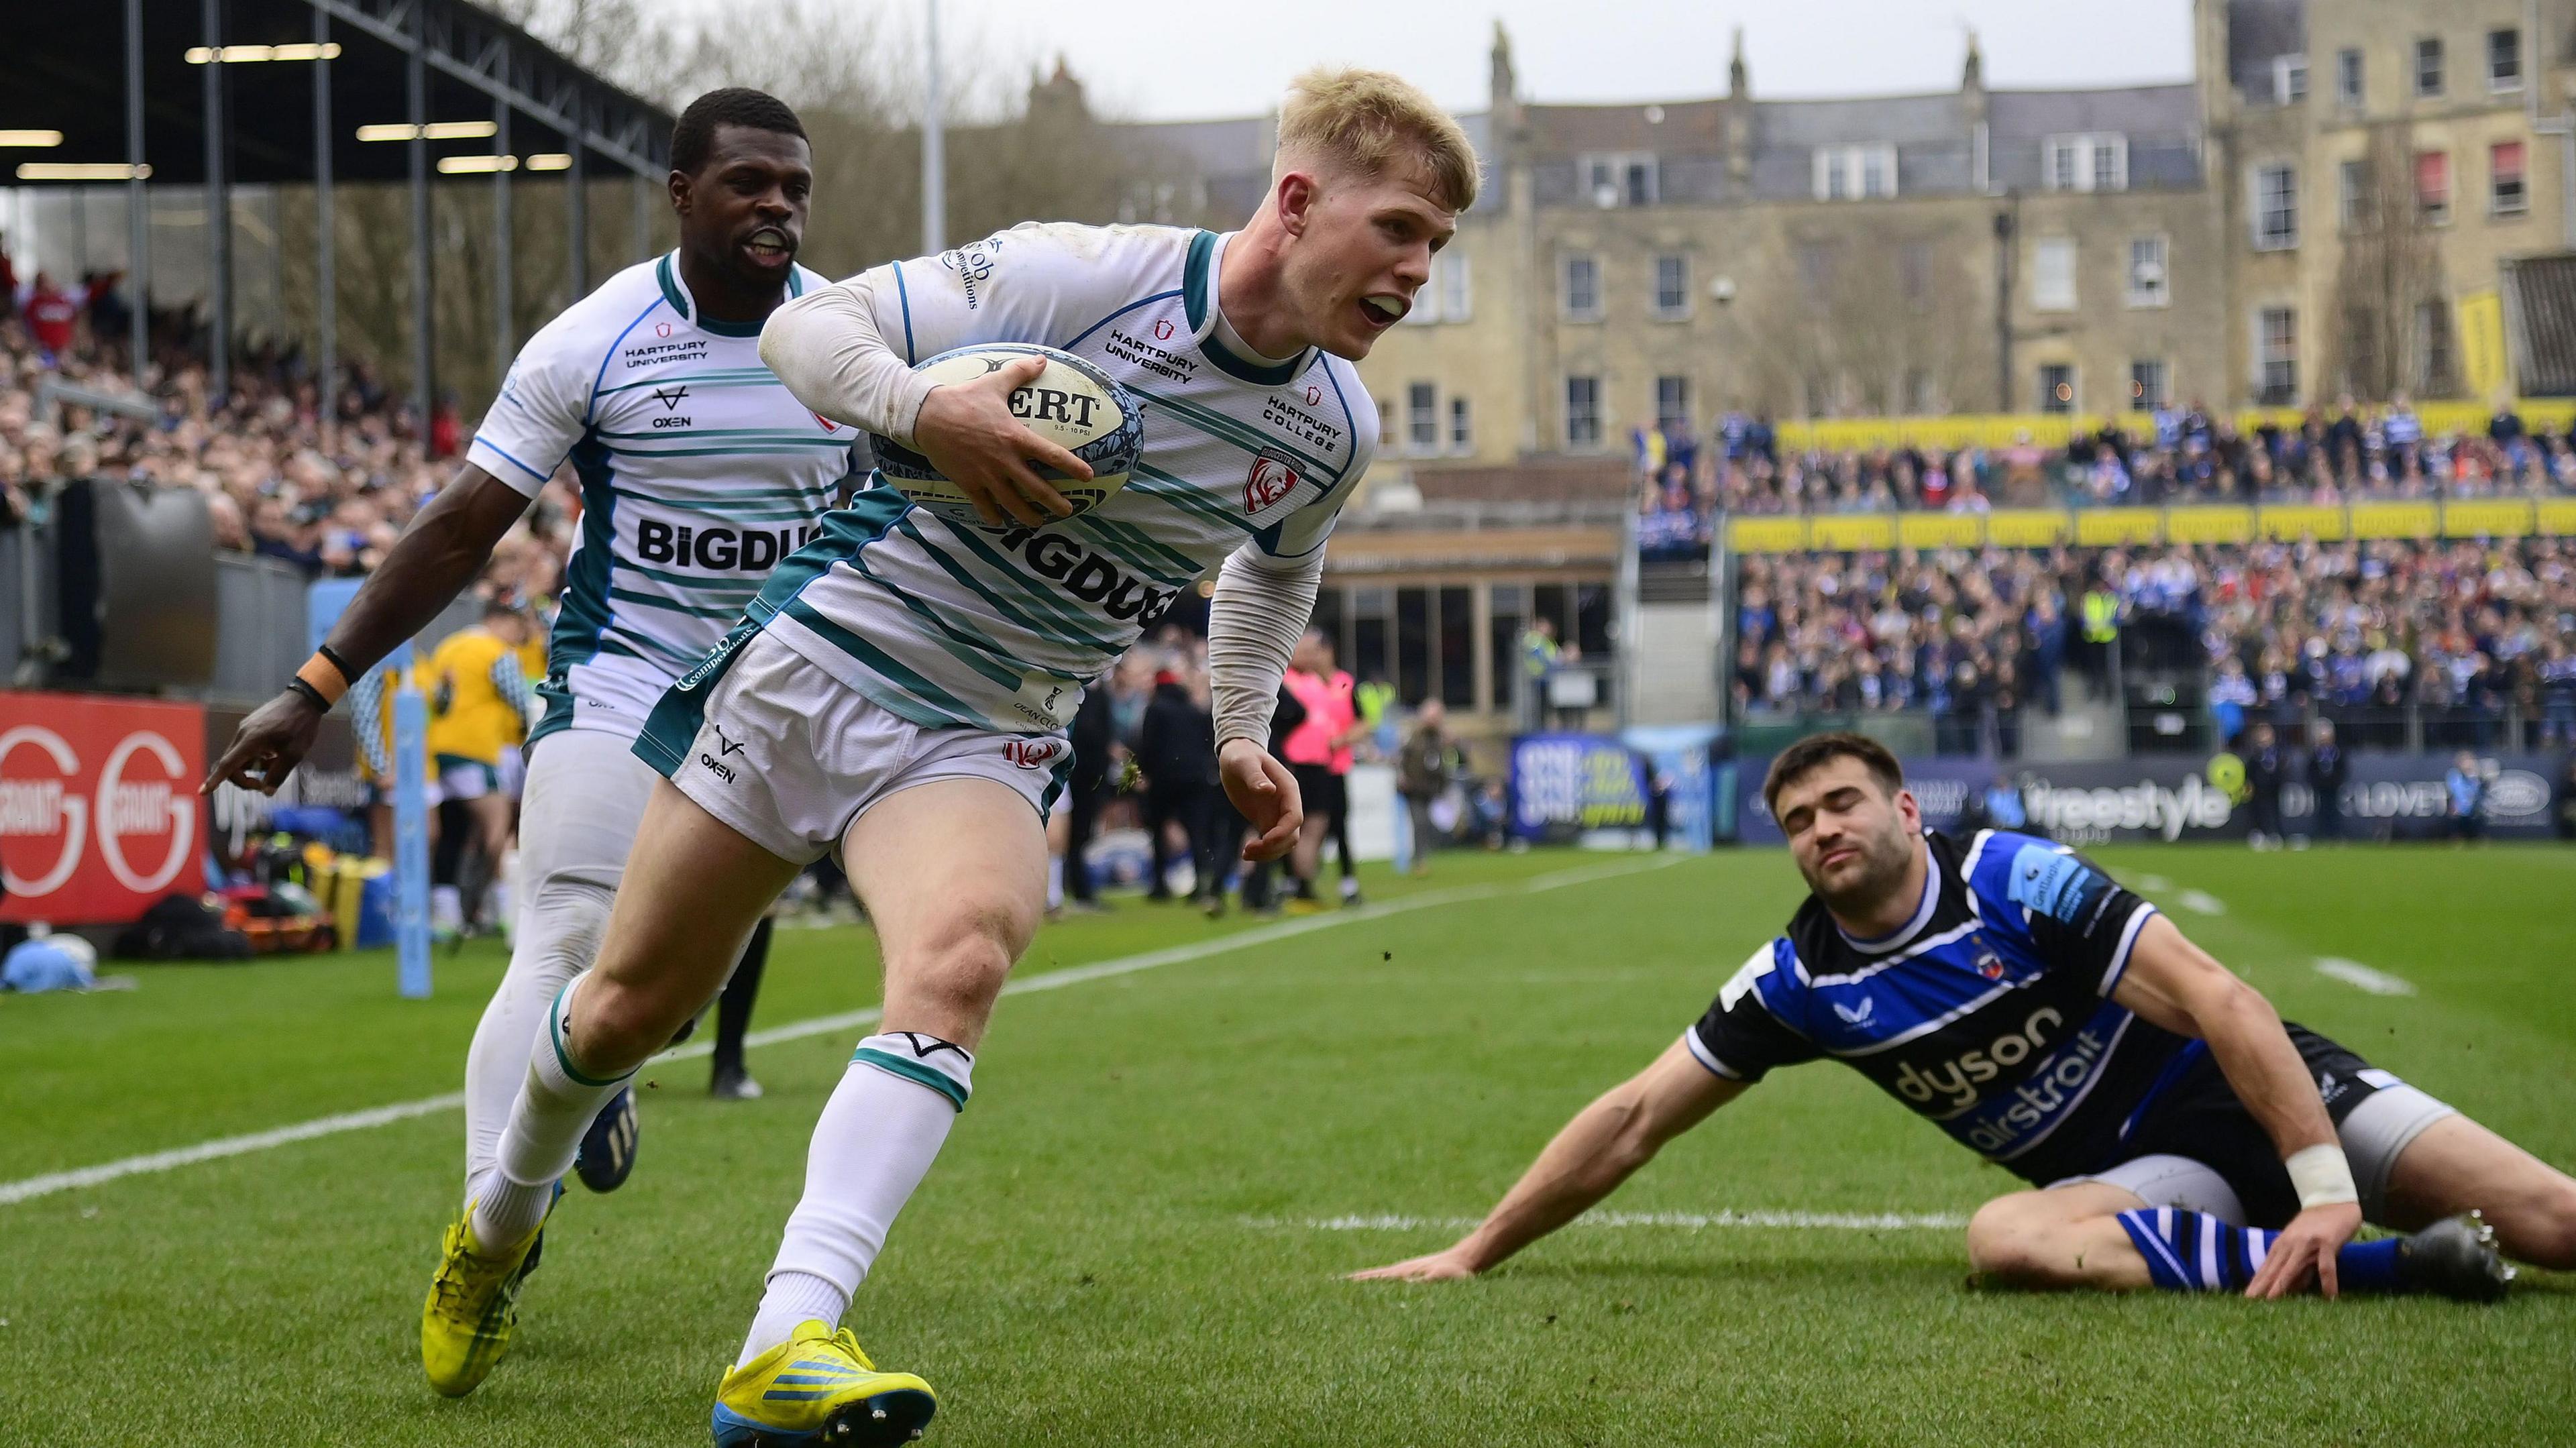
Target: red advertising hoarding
x=99, y=814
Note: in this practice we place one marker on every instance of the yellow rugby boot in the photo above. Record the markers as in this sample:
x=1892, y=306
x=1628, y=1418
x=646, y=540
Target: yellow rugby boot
x=473, y=1306
x=817, y=1388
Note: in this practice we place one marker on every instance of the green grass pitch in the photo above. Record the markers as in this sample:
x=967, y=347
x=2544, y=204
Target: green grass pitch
x=1129, y=1239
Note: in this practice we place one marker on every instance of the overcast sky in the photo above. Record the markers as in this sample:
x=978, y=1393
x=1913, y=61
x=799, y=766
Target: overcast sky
x=1172, y=59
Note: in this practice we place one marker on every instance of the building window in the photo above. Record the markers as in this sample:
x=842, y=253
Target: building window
x=2276, y=207
x=1583, y=412
x=2052, y=274
x=1914, y=271
x=1815, y=271
x=2056, y=387
x=2504, y=60
x=1422, y=417
x=2289, y=79
x=1845, y=173
x=2433, y=186
x=2276, y=356
x=1462, y=431
x=2349, y=83
x=1449, y=280
x=2149, y=284
x=1444, y=297
x=1622, y=178
x=2355, y=198
x=2433, y=346
x=2088, y=162
x=1672, y=405
x=1583, y=288
x=1672, y=287
x=2146, y=386
x=2508, y=194
x=2428, y=66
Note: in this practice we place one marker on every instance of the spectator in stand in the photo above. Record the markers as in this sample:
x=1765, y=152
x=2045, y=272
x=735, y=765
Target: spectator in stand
x=2464, y=791
x=1093, y=738
x=2329, y=770
x=2562, y=799
x=2263, y=779
x=52, y=316
x=1424, y=768
x=1176, y=749
x=1539, y=657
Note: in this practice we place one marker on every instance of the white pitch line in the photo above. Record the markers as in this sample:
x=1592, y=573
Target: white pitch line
x=2354, y=973
x=2202, y=901
x=27, y=1188
x=2156, y=884
x=1684, y=1221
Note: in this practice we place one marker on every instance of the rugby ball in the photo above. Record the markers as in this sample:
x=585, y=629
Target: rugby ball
x=1072, y=403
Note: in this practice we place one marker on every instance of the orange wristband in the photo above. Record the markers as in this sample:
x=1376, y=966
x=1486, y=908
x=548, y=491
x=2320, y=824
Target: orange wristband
x=324, y=678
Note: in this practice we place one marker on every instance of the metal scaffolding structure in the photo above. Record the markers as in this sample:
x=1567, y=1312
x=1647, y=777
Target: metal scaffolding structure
x=115, y=84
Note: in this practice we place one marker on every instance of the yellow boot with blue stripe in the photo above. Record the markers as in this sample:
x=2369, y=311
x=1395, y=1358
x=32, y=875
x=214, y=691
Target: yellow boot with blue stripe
x=818, y=1388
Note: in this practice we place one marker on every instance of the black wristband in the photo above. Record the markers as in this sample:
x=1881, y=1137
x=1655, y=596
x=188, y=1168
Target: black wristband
x=347, y=675
x=311, y=695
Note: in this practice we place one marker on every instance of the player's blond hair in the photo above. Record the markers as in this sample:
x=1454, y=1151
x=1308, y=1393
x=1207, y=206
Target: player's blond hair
x=1375, y=123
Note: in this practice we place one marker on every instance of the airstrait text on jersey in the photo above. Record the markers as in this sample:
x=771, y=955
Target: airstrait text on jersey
x=947, y=622
x=699, y=472
x=1990, y=1012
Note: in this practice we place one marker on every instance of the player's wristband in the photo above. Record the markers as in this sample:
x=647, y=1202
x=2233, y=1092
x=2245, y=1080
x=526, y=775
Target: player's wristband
x=311, y=695
x=2322, y=1176
x=323, y=678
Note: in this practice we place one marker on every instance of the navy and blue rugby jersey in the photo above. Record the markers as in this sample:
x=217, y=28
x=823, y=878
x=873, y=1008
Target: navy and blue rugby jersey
x=1989, y=1012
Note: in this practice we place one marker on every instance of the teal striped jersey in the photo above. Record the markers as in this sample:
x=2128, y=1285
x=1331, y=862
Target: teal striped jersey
x=951, y=624
x=698, y=470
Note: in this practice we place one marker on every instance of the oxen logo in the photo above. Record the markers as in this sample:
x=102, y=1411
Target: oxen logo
x=1314, y=395
x=1163, y=329
x=661, y=329
x=1272, y=478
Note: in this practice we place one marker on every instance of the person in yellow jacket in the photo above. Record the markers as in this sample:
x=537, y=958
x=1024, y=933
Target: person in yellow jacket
x=479, y=702
x=371, y=720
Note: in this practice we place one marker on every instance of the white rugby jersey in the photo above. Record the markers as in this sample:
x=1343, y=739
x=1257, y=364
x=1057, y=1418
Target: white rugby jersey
x=699, y=472
x=952, y=624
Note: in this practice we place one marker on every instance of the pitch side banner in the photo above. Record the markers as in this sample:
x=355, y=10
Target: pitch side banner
x=99, y=814
x=1566, y=785
x=2179, y=799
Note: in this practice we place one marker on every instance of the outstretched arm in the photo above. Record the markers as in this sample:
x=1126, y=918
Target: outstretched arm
x=446, y=545
x=2177, y=985
x=1260, y=608
x=1597, y=1150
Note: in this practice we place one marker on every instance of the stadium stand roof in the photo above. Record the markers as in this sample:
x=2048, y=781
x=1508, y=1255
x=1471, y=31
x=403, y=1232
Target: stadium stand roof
x=65, y=69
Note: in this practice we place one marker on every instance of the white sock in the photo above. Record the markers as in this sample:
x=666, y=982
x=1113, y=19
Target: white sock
x=877, y=1137
x=446, y=906
x=1055, y=882
x=544, y=1133
x=561, y=935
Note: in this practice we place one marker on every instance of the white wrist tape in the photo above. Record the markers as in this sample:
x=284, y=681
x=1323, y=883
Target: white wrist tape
x=2322, y=1176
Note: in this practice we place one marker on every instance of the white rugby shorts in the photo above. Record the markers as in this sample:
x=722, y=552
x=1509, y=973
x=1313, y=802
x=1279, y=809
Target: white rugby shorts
x=788, y=756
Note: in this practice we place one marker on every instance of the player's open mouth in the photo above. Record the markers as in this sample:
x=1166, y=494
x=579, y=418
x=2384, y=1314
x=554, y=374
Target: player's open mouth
x=1381, y=310
x=769, y=246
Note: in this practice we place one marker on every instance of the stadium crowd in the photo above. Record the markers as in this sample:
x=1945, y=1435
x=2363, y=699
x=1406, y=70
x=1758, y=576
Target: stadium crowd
x=325, y=494
x=2174, y=455
x=2467, y=636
